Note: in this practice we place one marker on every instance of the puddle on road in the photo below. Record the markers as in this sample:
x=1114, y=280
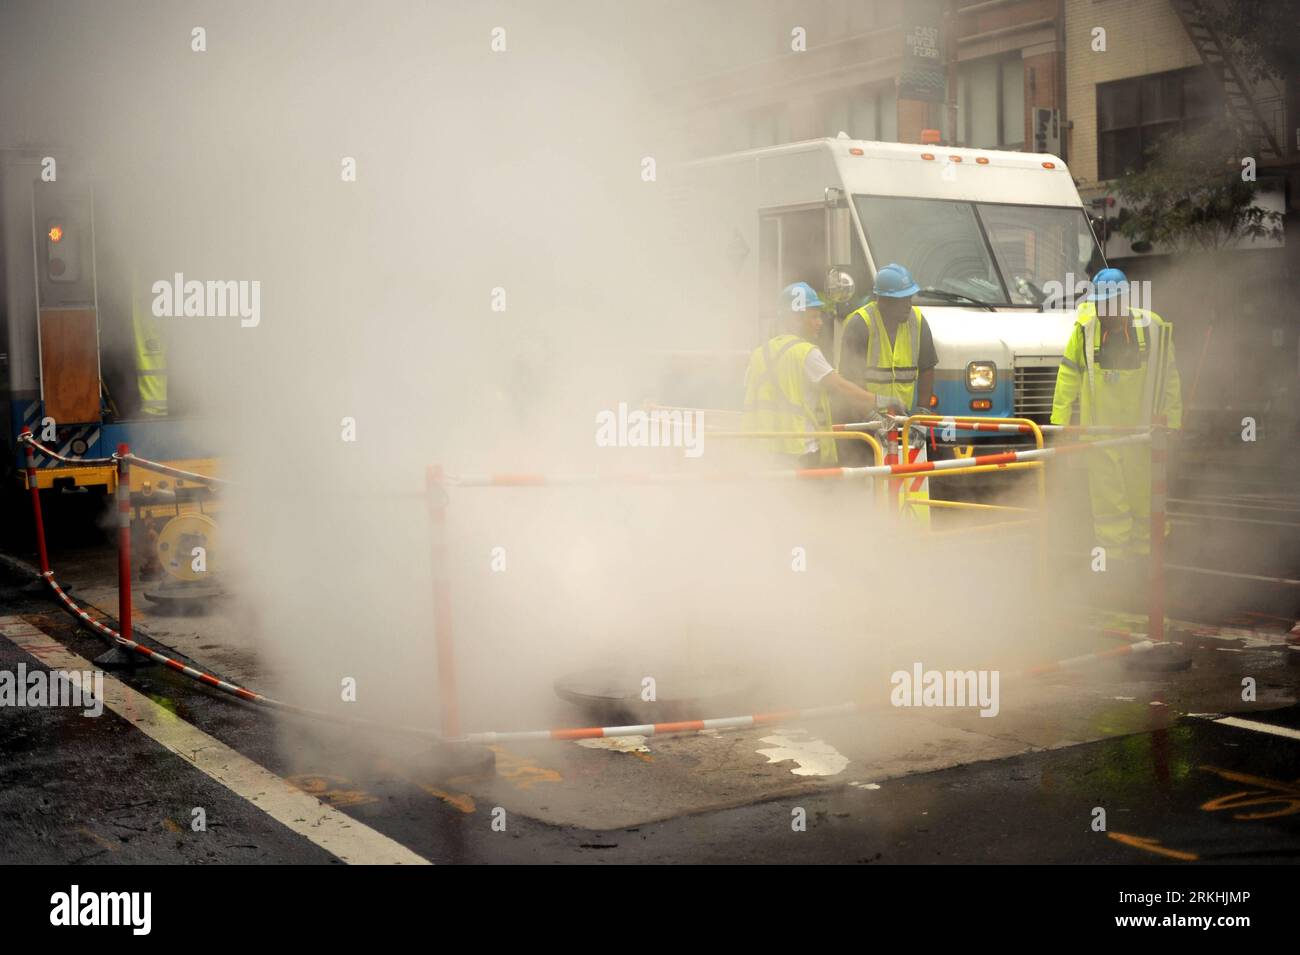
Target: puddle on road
x=815, y=757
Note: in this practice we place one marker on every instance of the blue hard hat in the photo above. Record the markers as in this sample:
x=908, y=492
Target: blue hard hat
x=810, y=297
x=894, y=281
x=1106, y=284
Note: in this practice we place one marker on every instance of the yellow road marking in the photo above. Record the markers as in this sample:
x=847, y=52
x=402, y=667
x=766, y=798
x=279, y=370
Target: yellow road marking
x=462, y=801
x=330, y=789
x=1152, y=845
x=520, y=771
x=1267, y=792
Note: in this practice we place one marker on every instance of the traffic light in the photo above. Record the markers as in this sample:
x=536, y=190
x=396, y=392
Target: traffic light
x=63, y=237
x=62, y=249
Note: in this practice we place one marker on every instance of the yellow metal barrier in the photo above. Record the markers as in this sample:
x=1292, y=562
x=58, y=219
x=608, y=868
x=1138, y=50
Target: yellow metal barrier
x=106, y=475
x=959, y=420
x=882, y=486
x=878, y=452
x=971, y=506
x=985, y=468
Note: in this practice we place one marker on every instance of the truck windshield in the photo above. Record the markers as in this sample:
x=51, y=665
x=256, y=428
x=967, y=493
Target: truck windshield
x=1001, y=254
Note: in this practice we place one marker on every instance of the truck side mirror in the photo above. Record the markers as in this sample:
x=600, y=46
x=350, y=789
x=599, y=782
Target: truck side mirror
x=839, y=285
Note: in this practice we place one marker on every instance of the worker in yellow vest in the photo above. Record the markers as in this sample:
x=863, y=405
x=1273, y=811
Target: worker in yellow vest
x=887, y=346
x=789, y=383
x=1119, y=364
x=150, y=353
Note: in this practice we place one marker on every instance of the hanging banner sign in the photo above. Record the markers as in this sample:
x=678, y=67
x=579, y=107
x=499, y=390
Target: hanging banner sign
x=922, y=76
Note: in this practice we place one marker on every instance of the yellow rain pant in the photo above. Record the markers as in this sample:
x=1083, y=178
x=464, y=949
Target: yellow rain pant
x=1119, y=479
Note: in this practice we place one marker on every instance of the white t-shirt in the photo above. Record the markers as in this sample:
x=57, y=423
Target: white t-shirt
x=815, y=368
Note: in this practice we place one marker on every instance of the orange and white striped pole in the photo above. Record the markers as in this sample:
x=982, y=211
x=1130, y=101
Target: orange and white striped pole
x=1159, y=490
x=124, y=541
x=806, y=474
x=36, y=504
x=776, y=716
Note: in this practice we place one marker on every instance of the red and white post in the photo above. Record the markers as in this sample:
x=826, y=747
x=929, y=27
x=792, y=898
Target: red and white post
x=36, y=506
x=124, y=542
x=436, y=491
x=1159, y=489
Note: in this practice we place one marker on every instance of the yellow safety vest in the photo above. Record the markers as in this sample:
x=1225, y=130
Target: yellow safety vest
x=1123, y=397
x=150, y=355
x=777, y=399
x=891, y=372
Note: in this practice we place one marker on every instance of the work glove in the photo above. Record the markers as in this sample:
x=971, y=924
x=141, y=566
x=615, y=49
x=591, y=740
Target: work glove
x=891, y=405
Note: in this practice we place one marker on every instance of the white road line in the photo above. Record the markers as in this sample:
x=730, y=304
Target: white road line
x=333, y=831
x=1252, y=725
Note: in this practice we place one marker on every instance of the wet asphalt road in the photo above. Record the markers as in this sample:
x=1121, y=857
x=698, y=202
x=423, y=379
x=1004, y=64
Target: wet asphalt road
x=98, y=791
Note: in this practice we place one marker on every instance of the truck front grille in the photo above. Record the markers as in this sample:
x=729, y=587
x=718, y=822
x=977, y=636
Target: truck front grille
x=1034, y=387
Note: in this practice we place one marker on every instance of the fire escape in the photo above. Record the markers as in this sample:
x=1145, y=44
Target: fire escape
x=1256, y=109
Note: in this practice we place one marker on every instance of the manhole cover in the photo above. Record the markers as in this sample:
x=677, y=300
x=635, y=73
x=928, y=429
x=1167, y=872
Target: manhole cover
x=655, y=694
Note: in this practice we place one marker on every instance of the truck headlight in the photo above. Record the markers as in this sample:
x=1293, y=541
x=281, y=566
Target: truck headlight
x=981, y=376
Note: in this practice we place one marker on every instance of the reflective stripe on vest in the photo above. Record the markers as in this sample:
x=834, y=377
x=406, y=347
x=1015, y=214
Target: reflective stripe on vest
x=891, y=373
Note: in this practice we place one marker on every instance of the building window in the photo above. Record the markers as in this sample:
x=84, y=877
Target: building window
x=1134, y=114
x=991, y=102
x=864, y=113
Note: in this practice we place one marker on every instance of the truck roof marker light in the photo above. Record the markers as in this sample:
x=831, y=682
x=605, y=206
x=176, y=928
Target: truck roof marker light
x=927, y=155
x=980, y=404
x=855, y=151
x=954, y=159
x=1049, y=165
x=982, y=160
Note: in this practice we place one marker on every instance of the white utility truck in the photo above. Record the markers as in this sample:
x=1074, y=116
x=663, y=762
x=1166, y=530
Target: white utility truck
x=998, y=242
